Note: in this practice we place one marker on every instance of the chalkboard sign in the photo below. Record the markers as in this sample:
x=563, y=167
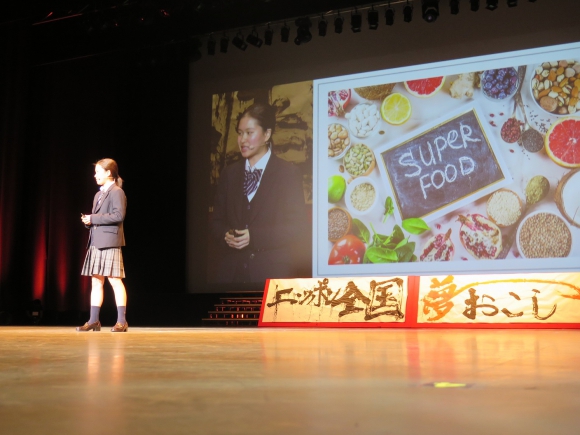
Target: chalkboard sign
x=443, y=166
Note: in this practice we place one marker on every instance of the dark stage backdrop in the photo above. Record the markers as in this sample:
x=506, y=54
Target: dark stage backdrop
x=56, y=121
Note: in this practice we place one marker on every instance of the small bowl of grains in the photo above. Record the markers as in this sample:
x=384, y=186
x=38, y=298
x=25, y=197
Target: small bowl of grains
x=339, y=223
x=504, y=207
x=359, y=160
x=544, y=234
x=338, y=141
x=361, y=196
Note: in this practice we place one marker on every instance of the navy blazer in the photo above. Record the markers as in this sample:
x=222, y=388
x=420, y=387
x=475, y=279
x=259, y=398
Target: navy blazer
x=276, y=221
x=106, y=229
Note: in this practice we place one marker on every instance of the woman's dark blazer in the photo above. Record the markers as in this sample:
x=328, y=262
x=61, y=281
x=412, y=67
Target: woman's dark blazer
x=106, y=229
x=276, y=220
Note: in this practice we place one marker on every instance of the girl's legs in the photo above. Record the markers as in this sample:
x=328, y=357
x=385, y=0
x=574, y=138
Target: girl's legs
x=120, y=298
x=97, y=282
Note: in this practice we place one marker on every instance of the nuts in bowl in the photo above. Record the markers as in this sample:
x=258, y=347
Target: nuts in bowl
x=555, y=87
x=338, y=140
x=359, y=160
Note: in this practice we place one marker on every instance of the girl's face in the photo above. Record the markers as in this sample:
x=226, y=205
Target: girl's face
x=252, y=139
x=101, y=175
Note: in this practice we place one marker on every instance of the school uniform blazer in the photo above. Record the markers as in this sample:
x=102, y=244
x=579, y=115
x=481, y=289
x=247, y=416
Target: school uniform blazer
x=276, y=221
x=106, y=229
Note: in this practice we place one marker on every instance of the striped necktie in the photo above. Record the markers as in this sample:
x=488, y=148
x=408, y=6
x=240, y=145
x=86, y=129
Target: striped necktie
x=251, y=180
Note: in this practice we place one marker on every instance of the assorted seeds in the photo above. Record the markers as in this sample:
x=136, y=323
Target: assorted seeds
x=358, y=160
x=363, y=196
x=545, y=235
x=338, y=223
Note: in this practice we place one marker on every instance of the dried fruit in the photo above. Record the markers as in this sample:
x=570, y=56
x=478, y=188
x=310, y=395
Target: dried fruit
x=438, y=248
x=480, y=236
x=337, y=102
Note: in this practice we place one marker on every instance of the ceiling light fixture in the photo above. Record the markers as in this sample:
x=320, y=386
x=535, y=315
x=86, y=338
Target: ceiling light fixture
x=454, y=7
x=338, y=22
x=512, y=3
x=355, y=21
x=373, y=18
x=408, y=13
x=224, y=42
x=430, y=10
x=474, y=5
x=254, y=39
x=303, y=34
x=491, y=5
x=268, y=35
x=238, y=41
x=284, y=33
x=389, y=15
x=211, y=45
x=322, y=26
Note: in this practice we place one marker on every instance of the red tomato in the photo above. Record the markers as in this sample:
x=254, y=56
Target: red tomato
x=347, y=250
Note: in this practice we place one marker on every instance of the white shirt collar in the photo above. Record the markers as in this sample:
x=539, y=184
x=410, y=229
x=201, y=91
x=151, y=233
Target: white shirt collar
x=260, y=164
x=106, y=186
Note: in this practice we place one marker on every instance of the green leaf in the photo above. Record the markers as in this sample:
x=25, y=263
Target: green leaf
x=413, y=258
x=397, y=236
x=389, y=208
x=402, y=243
x=361, y=231
x=415, y=225
x=381, y=255
x=405, y=253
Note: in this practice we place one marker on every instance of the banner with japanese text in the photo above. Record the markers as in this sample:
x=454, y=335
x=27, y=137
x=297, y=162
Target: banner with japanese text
x=519, y=298
x=333, y=300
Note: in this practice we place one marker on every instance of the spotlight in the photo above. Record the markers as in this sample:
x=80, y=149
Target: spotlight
x=430, y=10
x=532, y=1
x=284, y=33
x=355, y=21
x=389, y=15
x=211, y=46
x=512, y=3
x=268, y=36
x=373, y=19
x=454, y=7
x=238, y=41
x=474, y=5
x=254, y=39
x=224, y=42
x=408, y=13
x=322, y=26
x=303, y=34
x=338, y=22
x=491, y=5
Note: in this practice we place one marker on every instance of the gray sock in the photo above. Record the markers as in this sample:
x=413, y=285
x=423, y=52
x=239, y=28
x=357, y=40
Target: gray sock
x=94, y=314
x=121, y=314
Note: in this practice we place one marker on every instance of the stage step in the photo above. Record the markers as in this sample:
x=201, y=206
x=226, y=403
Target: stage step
x=235, y=309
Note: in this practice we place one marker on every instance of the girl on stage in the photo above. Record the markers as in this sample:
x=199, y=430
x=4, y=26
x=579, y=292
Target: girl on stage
x=104, y=258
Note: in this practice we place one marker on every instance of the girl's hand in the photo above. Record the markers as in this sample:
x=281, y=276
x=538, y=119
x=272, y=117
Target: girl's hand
x=86, y=218
x=239, y=242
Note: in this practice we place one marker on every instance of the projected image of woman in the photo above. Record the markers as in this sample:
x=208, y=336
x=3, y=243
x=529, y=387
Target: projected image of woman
x=104, y=258
x=259, y=213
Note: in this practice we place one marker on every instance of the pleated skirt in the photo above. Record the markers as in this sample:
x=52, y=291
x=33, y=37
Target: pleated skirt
x=106, y=262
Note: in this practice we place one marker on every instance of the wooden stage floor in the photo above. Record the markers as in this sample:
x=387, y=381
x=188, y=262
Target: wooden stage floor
x=289, y=381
